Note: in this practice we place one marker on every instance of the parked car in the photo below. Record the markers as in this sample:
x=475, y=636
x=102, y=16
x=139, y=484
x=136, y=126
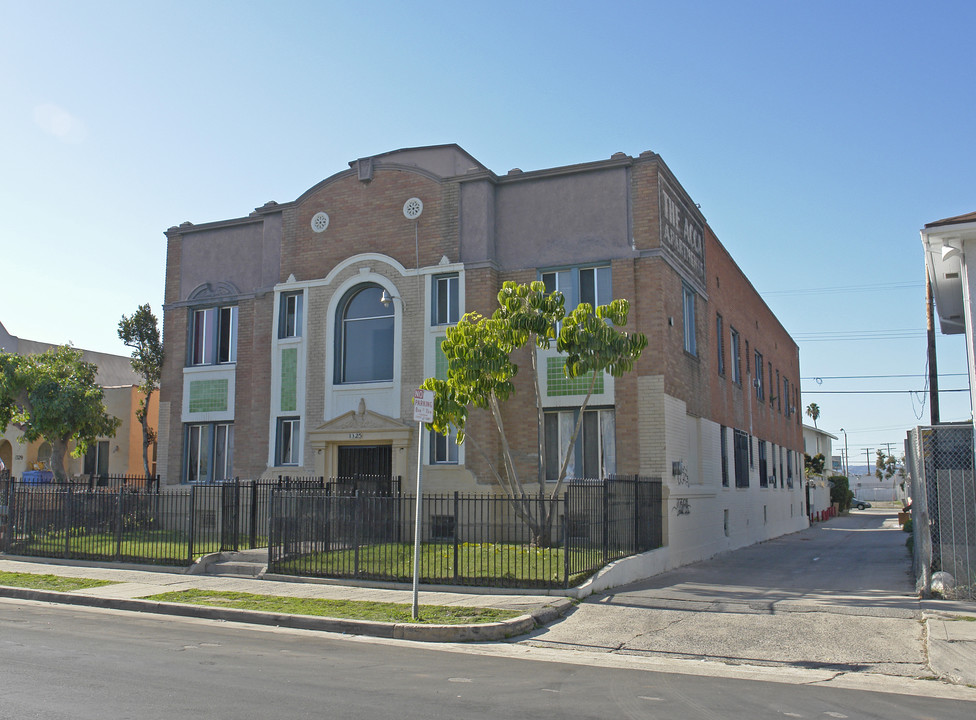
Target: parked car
x=860, y=504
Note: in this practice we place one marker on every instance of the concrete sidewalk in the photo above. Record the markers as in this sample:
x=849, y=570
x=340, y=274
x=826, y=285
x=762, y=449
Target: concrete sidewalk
x=951, y=640
x=834, y=597
x=136, y=582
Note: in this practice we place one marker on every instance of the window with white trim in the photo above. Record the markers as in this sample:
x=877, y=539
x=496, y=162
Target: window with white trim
x=364, y=337
x=208, y=452
x=445, y=301
x=443, y=448
x=213, y=336
x=290, y=315
x=593, y=455
x=287, y=438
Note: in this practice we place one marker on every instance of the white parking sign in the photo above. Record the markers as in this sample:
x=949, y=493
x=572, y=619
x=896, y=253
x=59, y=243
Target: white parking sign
x=423, y=406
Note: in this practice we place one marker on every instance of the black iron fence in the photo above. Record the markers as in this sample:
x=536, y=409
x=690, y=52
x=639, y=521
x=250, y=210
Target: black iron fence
x=129, y=519
x=535, y=541
x=341, y=528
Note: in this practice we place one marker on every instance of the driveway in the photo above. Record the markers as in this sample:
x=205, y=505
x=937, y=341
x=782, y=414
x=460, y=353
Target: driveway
x=837, y=595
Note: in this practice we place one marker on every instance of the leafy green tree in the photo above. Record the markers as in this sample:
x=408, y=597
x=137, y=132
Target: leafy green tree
x=814, y=465
x=140, y=331
x=481, y=374
x=54, y=396
x=813, y=410
x=885, y=466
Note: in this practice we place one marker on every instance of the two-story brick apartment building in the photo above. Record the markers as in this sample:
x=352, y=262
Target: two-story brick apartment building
x=295, y=336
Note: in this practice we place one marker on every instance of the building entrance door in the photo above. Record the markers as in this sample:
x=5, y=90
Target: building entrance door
x=358, y=461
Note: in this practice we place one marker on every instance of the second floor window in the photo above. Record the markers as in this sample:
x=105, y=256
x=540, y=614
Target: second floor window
x=736, y=363
x=290, y=315
x=213, y=335
x=580, y=285
x=760, y=390
x=720, y=344
x=364, y=342
x=688, y=306
x=444, y=302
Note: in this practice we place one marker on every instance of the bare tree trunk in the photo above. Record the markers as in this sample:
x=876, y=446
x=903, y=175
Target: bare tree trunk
x=59, y=448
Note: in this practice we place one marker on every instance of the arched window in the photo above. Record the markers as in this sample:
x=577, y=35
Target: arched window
x=364, y=337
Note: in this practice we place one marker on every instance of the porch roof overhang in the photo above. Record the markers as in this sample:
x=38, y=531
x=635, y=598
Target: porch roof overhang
x=945, y=243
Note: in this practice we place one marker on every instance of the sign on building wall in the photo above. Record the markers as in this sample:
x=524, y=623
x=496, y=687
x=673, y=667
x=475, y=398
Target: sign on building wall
x=682, y=235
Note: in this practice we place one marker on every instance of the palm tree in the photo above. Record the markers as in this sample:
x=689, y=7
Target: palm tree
x=813, y=410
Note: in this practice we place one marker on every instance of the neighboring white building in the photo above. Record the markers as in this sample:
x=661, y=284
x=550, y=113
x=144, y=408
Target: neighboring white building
x=818, y=442
x=949, y=244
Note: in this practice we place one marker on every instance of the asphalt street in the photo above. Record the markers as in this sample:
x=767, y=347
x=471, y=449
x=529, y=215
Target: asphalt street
x=64, y=662
x=837, y=596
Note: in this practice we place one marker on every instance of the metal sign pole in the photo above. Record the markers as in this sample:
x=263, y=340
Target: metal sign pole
x=423, y=411
x=415, y=612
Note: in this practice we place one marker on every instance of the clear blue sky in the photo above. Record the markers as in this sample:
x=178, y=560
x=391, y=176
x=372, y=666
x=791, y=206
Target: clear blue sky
x=818, y=138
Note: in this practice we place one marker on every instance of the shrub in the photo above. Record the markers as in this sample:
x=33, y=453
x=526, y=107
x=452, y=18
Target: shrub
x=907, y=527
x=840, y=492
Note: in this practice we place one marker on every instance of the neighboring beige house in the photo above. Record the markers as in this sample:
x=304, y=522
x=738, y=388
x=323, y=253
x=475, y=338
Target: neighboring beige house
x=818, y=442
x=118, y=455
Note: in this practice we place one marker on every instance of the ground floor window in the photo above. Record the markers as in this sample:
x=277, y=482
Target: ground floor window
x=594, y=453
x=286, y=442
x=724, y=444
x=740, y=449
x=443, y=448
x=763, y=469
x=209, y=451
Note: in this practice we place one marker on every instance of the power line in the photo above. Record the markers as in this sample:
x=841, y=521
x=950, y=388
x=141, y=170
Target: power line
x=846, y=288
x=876, y=392
x=874, y=377
x=859, y=336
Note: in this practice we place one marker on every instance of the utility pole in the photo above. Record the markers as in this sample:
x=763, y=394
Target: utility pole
x=933, y=366
x=888, y=446
x=867, y=451
x=847, y=467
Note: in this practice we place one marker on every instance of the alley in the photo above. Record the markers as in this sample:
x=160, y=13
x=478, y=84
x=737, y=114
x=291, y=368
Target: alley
x=835, y=596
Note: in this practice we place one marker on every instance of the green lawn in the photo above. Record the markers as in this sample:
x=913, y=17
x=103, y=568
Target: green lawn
x=147, y=545
x=354, y=609
x=506, y=564
x=49, y=582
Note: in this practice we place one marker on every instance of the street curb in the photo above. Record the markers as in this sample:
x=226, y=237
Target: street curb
x=481, y=632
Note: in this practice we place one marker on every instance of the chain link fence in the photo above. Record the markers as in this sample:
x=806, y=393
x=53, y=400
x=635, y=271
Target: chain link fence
x=940, y=460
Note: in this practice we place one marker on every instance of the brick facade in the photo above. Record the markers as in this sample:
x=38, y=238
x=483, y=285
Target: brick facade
x=488, y=229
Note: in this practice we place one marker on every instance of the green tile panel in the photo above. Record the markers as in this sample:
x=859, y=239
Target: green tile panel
x=440, y=359
x=289, y=379
x=208, y=396
x=558, y=385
